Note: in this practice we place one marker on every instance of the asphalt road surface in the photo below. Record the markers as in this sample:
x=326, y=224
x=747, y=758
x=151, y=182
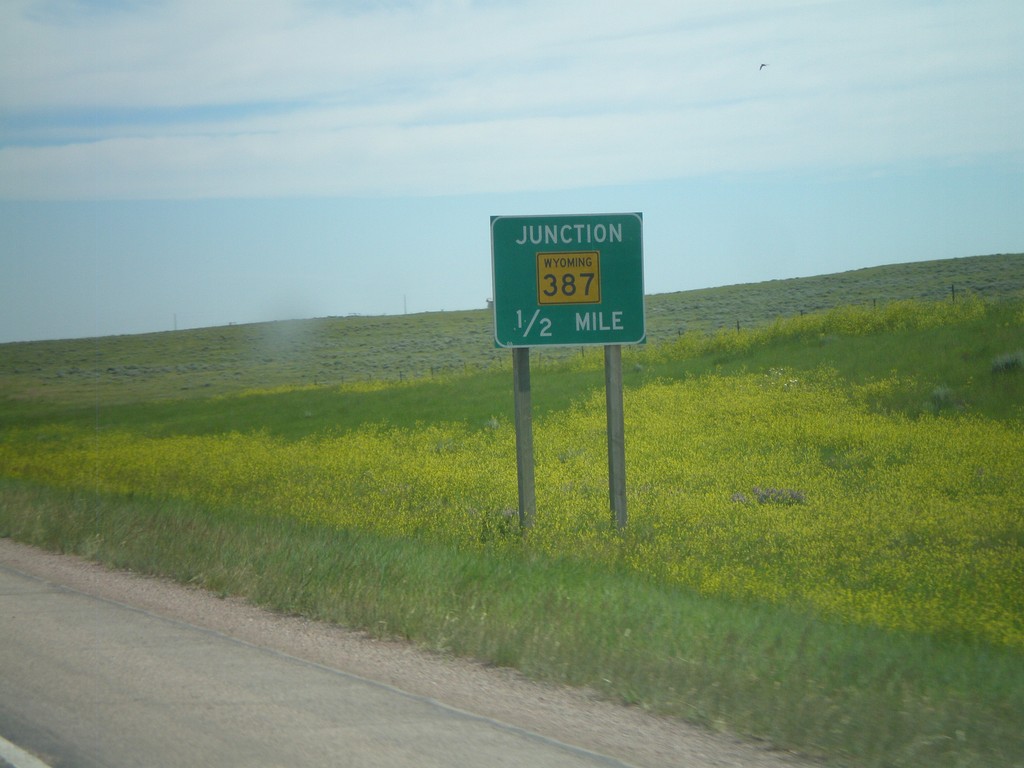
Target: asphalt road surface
x=88, y=682
x=102, y=668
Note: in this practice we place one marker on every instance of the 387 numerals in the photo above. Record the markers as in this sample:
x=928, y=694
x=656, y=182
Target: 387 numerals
x=567, y=286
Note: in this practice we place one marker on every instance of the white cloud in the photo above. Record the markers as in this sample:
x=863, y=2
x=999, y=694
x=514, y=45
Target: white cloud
x=199, y=99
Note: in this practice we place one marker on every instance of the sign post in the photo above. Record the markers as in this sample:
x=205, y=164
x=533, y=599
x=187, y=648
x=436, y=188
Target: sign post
x=616, y=433
x=524, y=437
x=572, y=280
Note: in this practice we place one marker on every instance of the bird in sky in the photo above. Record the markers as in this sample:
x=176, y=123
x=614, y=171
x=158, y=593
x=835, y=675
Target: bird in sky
x=761, y=67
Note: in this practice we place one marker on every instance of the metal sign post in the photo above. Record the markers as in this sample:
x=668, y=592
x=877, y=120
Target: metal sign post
x=573, y=280
x=616, y=433
x=524, y=437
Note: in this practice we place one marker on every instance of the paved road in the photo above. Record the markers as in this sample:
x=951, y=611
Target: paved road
x=88, y=682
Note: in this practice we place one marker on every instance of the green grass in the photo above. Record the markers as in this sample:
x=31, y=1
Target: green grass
x=850, y=694
x=197, y=364
x=955, y=359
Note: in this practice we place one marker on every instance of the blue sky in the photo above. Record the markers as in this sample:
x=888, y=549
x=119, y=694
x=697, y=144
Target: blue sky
x=194, y=163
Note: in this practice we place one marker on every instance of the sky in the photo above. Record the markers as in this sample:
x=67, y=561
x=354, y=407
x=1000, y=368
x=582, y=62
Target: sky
x=172, y=164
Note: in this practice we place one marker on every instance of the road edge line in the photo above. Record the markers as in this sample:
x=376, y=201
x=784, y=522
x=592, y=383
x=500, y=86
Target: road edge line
x=18, y=757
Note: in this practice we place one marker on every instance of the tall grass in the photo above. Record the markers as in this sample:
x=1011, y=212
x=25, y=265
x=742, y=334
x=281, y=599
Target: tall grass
x=848, y=694
x=772, y=487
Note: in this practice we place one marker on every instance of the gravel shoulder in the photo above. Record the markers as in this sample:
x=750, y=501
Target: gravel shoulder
x=569, y=715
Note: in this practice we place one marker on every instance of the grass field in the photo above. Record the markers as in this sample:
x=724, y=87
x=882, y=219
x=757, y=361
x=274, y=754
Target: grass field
x=204, y=362
x=826, y=515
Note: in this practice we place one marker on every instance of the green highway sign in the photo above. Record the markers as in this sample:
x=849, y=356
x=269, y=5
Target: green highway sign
x=568, y=280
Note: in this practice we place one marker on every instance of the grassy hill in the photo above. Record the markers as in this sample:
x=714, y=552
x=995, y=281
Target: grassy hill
x=825, y=539
x=208, y=361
